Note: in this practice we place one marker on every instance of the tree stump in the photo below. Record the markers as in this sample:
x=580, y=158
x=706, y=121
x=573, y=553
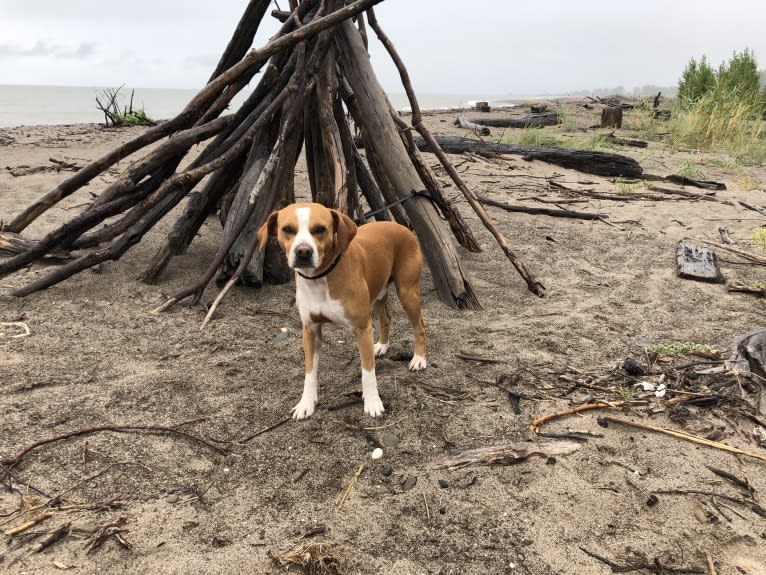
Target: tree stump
x=482, y=107
x=611, y=117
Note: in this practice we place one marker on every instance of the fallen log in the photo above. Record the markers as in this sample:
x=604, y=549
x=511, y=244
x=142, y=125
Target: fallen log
x=478, y=129
x=529, y=121
x=539, y=211
x=597, y=163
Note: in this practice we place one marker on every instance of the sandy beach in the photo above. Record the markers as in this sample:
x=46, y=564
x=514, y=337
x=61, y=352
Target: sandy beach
x=96, y=356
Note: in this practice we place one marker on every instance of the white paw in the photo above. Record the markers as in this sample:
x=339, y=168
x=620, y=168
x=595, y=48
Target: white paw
x=380, y=349
x=418, y=362
x=373, y=406
x=304, y=409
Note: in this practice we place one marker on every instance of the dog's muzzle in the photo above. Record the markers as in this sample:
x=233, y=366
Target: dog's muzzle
x=303, y=256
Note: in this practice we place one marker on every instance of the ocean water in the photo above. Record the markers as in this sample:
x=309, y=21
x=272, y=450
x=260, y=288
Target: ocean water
x=38, y=105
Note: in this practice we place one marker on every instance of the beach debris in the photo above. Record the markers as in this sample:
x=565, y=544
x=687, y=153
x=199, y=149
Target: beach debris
x=505, y=454
x=611, y=117
x=14, y=329
x=590, y=162
x=605, y=419
x=350, y=486
x=697, y=263
x=466, y=124
x=316, y=558
x=377, y=453
x=534, y=120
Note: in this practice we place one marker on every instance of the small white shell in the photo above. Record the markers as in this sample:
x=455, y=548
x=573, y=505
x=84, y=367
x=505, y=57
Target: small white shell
x=377, y=453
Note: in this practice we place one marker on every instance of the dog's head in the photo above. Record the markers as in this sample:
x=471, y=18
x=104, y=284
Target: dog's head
x=311, y=235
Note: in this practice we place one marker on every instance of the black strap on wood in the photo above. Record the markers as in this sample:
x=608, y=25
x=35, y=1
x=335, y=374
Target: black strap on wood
x=440, y=207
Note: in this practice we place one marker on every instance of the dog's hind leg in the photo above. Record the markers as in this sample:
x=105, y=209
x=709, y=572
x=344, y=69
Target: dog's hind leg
x=383, y=313
x=409, y=296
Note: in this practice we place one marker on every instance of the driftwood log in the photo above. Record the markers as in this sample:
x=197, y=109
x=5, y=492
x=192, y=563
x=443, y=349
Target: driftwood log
x=476, y=128
x=537, y=120
x=597, y=163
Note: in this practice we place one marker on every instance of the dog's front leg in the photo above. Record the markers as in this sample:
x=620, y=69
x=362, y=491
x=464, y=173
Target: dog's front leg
x=373, y=406
x=312, y=341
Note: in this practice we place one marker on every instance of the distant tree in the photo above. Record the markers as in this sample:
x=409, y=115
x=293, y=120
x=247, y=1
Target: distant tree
x=696, y=81
x=738, y=79
x=740, y=76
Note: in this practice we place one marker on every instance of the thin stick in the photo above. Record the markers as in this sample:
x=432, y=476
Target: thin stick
x=229, y=284
x=31, y=523
x=11, y=461
x=266, y=429
x=580, y=408
x=710, y=565
x=351, y=484
x=685, y=436
x=425, y=502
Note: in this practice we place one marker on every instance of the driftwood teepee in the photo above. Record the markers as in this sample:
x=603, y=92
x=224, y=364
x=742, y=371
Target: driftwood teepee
x=314, y=72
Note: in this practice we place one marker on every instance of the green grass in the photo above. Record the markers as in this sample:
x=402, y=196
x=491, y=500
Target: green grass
x=690, y=170
x=679, y=348
x=721, y=121
x=132, y=118
x=759, y=237
x=625, y=189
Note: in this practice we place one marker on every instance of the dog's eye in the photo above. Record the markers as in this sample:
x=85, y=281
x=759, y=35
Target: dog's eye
x=288, y=231
x=319, y=230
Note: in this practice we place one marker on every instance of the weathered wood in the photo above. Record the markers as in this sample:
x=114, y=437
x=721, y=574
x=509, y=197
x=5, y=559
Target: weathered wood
x=504, y=454
x=466, y=124
x=457, y=224
x=697, y=263
x=539, y=211
x=611, y=117
x=482, y=107
x=611, y=138
x=370, y=189
x=382, y=138
x=243, y=36
x=534, y=285
x=598, y=163
x=248, y=65
x=529, y=121
x=704, y=184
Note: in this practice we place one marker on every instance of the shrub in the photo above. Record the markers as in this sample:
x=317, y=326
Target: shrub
x=696, y=81
x=113, y=116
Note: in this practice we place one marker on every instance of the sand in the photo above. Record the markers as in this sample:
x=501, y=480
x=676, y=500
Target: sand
x=96, y=356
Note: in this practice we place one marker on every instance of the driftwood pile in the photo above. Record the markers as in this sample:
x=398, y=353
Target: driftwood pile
x=314, y=71
x=313, y=74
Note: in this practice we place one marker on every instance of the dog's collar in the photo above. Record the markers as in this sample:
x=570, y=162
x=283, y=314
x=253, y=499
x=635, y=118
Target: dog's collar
x=324, y=273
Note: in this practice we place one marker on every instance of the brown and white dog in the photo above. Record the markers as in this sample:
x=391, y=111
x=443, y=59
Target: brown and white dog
x=341, y=272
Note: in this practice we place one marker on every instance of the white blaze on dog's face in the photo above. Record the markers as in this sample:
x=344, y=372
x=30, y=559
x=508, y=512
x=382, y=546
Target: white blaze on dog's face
x=306, y=236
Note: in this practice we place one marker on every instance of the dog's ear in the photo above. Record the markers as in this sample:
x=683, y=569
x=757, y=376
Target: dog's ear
x=345, y=229
x=269, y=228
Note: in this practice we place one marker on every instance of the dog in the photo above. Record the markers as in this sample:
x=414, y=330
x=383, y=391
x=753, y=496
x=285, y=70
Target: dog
x=342, y=271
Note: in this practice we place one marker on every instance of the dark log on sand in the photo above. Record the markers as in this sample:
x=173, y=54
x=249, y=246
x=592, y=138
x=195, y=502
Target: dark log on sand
x=528, y=121
x=466, y=124
x=597, y=163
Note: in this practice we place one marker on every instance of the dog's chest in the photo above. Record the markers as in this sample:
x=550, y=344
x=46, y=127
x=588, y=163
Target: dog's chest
x=315, y=304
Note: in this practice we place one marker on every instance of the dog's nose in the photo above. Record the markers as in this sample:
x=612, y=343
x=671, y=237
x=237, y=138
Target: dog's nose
x=303, y=252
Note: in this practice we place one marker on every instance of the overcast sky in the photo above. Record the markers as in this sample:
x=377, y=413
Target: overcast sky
x=449, y=46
